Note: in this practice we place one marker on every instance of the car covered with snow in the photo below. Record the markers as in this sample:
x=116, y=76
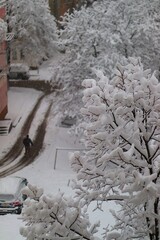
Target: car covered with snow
x=19, y=71
x=11, y=197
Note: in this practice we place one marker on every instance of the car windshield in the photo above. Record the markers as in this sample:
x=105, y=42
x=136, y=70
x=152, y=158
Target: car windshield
x=6, y=197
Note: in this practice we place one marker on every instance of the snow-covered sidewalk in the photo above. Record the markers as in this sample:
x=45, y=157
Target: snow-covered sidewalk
x=57, y=144
x=20, y=103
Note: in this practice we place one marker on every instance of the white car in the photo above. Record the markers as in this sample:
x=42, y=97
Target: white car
x=11, y=198
x=18, y=71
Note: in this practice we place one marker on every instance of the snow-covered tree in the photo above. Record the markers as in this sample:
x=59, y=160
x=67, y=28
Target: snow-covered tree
x=122, y=137
x=104, y=33
x=121, y=162
x=55, y=217
x=34, y=28
x=109, y=29
x=82, y=40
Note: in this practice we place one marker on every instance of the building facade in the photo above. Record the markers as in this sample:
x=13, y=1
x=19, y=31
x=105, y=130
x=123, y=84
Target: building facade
x=59, y=7
x=3, y=69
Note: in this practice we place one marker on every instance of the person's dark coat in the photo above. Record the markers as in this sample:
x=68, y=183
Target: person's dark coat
x=27, y=142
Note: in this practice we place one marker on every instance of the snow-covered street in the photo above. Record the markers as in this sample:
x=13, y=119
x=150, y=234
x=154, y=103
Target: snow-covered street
x=40, y=173
x=51, y=170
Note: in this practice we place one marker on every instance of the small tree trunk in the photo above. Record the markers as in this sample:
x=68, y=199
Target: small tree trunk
x=95, y=51
x=125, y=51
x=156, y=220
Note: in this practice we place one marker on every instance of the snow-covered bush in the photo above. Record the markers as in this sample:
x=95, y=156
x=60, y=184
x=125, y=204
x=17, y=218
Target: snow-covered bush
x=122, y=137
x=55, y=217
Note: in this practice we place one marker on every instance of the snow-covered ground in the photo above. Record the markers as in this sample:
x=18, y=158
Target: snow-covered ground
x=46, y=70
x=51, y=169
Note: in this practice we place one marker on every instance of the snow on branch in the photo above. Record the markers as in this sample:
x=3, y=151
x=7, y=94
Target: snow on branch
x=122, y=136
x=49, y=217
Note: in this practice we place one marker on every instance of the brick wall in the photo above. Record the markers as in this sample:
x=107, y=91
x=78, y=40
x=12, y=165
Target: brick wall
x=59, y=7
x=2, y=12
x=3, y=73
x=3, y=96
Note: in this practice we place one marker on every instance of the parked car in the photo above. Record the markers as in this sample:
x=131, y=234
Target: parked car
x=18, y=71
x=11, y=198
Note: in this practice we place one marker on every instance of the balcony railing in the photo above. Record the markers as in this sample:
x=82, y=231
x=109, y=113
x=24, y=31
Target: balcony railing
x=9, y=36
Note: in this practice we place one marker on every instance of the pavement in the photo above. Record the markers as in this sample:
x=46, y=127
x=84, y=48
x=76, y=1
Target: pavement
x=20, y=103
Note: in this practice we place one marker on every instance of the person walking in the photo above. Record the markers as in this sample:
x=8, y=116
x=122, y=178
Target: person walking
x=27, y=142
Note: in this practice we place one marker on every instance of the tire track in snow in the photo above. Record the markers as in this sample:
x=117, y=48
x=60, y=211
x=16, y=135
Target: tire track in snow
x=38, y=144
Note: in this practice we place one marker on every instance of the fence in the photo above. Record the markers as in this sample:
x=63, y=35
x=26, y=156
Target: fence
x=58, y=150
